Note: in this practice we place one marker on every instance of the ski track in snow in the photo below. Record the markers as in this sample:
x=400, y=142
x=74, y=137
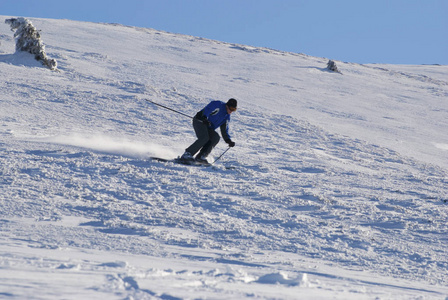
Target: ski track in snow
x=304, y=212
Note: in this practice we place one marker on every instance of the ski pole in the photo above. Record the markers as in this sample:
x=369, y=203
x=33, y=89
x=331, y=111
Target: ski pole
x=221, y=155
x=181, y=113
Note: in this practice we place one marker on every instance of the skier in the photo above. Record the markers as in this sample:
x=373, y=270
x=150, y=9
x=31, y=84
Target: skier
x=205, y=122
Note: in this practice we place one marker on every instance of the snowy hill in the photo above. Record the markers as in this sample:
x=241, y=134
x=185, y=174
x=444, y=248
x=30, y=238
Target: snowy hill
x=338, y=187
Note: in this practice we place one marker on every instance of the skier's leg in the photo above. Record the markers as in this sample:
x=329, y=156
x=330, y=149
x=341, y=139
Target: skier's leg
x=202, y=132
x=208, y=147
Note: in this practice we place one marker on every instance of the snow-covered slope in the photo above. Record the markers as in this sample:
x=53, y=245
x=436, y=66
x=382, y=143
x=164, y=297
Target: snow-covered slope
x=338, y=186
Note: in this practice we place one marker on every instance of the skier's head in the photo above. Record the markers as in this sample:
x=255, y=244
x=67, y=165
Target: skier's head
x=231, y=104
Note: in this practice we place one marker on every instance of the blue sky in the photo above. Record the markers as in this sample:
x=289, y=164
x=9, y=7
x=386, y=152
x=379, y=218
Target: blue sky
x=359, y=31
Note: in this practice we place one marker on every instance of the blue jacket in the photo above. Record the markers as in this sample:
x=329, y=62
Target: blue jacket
x=216, y=114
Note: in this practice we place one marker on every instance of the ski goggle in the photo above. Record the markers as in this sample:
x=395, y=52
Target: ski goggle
x=231, y=108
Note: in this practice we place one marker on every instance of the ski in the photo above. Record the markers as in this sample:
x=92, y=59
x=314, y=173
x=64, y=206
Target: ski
x=188, y=163
x=182, y=162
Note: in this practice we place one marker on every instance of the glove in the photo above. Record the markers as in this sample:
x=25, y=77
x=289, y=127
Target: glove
x=230, y=143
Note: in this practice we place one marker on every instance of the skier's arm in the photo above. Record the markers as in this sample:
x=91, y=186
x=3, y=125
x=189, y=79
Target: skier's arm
x=225, y=134
x=203, y=118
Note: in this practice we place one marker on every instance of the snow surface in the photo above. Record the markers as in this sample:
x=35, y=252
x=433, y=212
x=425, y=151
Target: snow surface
x=338, y=186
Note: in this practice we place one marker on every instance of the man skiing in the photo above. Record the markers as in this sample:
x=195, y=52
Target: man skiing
x=205, y=122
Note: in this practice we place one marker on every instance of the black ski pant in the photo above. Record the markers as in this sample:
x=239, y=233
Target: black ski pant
x=207, y=139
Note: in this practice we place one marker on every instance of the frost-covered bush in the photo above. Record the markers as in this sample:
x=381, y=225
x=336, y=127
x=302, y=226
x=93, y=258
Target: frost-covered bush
x=28, y=39
x=331, y=65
